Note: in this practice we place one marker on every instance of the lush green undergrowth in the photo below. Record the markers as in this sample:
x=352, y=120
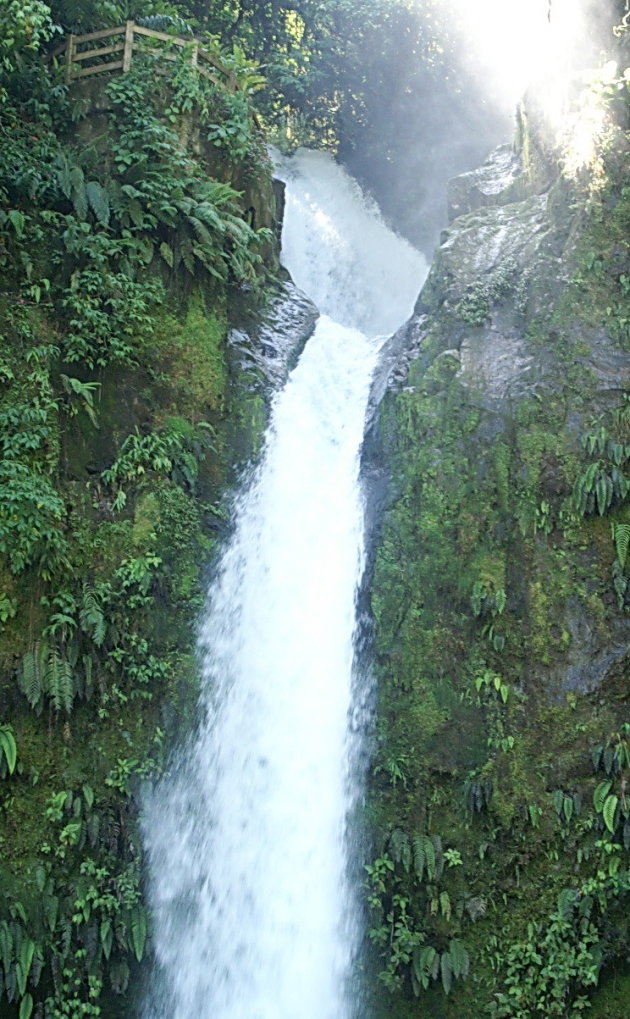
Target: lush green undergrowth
x=125, y=232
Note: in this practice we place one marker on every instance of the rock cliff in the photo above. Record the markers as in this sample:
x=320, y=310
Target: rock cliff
x=498, y=459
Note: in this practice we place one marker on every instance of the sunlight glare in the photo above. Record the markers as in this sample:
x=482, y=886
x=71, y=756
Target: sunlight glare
x=540, y=46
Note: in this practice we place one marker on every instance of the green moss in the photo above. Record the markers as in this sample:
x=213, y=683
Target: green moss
x=610, y=1001
x=190, y=353
x=477, y=742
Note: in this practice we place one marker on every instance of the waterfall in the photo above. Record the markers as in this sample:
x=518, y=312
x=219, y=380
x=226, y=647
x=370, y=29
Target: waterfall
x=246, y=838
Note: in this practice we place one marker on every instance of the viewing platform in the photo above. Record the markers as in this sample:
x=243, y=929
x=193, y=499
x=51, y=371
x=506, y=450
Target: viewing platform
x=112, y=50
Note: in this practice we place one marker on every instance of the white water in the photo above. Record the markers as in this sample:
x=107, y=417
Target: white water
x=247, y=840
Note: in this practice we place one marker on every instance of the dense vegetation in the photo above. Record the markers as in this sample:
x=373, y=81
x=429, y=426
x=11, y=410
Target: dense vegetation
x=134, y=222
x=381, y=82
x=125, y=235
x=500, y=880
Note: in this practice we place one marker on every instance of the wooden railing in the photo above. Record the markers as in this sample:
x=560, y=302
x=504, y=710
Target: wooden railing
x=125, y=40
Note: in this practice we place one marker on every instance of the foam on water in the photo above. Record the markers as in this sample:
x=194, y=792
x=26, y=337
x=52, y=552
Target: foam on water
x=247, y=838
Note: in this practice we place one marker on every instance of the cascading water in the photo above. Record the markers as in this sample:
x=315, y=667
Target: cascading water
x=247, y=839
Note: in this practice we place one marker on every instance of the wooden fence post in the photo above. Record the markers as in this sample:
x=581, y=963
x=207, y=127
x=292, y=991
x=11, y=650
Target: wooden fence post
x=70, y=51
x=128, y=50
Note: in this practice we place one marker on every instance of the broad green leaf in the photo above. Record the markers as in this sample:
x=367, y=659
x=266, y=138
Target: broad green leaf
x=51, y=910
x=167, y=253
x=138, y=932
x=446, y=972
x=609, y=811
x=107, y=937
x=8, y=747
x=17, y=221
x=600, y=794
x=26, y=1007
x=6, y=945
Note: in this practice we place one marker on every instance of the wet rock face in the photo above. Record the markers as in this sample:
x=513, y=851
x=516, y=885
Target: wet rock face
x=499, y=181
x=268, y=350
x=499, y=601
x=498, y=328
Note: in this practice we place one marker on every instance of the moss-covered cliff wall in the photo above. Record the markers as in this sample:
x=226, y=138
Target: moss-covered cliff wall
x=134, y=235
x=499, y=879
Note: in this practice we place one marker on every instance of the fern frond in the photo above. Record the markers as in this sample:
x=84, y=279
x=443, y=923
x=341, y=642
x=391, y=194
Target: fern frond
x=423, y=856
x=62, y=175
x=91, y=616
x=621, y=538
x=31, y=678
x=186, y=252
x=78, y=193
x=209, y=215
x=58, y=682
x=202, y=233
x=398, y=843
x=98, y=200
x=460, y=960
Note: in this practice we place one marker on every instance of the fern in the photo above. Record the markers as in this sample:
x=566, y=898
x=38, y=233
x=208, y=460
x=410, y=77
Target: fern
x=596, y=488
x=460, y=960
x=91, y=616
x=400, y=848
x=166, y=253
x=620, y=583
x=51, y=910
x=436, y=841
x=78, y=194
x=423, y=856
x=621, y=538
x=446, y=972
x=203, y=235
x=445, y=905
x=58, y=682
x=93, y=829
x=166, y=23
x=31, y=675
x=65, y=923
x=609, y=812
x=425, y=964
x=98, y=200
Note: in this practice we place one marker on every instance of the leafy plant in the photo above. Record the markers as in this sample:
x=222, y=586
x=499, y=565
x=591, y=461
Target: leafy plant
x=108, y=315
x=31, y=518
x=621, y=539
x=603, y=482
x=47, y=672
x=609, y=798
x=8, y=751
x=429, y=964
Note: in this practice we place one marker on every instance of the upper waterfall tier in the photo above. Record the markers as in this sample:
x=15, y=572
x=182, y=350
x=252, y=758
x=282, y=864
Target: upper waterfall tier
x=340, y=252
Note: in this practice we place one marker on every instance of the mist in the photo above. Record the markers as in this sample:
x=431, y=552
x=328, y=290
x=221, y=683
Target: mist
x=430, y=124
